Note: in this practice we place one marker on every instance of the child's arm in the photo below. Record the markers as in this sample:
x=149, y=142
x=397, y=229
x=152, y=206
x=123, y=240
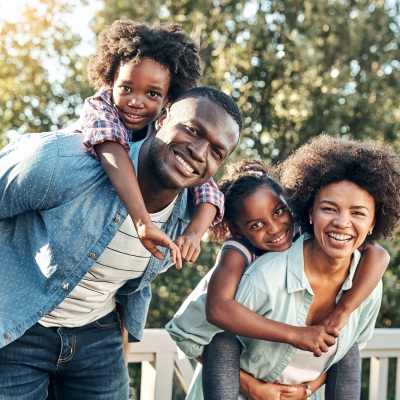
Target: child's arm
x=209, y=210
x=120, y=170
x=225, y=312
x=373, y=264
x=189, y=242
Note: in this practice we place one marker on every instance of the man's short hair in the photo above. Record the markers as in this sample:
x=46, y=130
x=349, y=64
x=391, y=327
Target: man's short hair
x=217, y=97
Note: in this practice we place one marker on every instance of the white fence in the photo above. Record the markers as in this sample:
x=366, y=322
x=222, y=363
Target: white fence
x=158, y=354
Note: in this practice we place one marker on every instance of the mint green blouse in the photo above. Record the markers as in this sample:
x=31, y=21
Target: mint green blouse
x=276, y=287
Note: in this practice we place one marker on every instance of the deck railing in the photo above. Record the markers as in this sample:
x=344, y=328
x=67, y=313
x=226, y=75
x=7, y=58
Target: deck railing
x=158, y=355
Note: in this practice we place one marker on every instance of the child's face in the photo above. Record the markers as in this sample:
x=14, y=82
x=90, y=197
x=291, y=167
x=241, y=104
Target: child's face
x=140, y=92
x=266, y=221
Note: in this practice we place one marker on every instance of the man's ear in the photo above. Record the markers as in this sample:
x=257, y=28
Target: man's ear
x=161, y=118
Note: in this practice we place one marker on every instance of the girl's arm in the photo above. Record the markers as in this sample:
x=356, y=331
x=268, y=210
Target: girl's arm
x=373, y=264
x=121, y=172
x=209, y=210
x=189, y=242
x=226, y=313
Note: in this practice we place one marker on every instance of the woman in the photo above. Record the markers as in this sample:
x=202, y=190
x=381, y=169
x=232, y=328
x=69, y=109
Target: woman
x=343, y=193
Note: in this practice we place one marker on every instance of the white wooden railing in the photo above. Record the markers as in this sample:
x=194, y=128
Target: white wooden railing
x=159, y=357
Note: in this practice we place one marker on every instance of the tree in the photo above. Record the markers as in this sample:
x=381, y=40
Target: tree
x=42, y=83
x=296, y=69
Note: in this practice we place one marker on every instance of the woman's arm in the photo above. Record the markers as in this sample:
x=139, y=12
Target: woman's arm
x=373, y=264
x=225, y=312
x=256, y=389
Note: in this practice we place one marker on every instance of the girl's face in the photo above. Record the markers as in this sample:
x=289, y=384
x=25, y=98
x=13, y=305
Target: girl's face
x=140, y=92
x=265, y=221
x=342, y=215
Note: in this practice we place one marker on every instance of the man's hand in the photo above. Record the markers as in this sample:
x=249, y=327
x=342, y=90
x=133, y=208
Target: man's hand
x=316, y=339
x=189, y=246
x=151, y=236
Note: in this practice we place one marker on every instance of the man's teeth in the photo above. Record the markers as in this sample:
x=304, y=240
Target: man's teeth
x=341, y=238
x=279, y=238
x=184, y=163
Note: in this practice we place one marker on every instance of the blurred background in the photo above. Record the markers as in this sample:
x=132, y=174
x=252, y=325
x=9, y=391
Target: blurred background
x=295, y=68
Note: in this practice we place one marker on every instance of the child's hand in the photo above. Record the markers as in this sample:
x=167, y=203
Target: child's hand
x=151, y=236
x=189, y=246
x=316, y=338
x=336, y=319
x=273, y=391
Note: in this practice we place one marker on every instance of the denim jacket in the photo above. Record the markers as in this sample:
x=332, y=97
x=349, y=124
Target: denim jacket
x=58, y=212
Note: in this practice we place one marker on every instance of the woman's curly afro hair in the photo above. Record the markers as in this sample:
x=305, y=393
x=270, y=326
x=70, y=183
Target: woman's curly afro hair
x=326, y=159
x=126, y=41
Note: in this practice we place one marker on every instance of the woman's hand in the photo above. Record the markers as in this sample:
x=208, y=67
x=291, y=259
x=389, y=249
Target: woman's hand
x=274, y=391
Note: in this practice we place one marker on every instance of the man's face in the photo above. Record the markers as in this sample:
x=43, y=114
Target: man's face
x=194, y=138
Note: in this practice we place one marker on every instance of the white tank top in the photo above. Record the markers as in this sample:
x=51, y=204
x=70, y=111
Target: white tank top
x=305, y=367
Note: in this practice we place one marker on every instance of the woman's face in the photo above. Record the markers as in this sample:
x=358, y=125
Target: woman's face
x=265, y=221
x=342, y=216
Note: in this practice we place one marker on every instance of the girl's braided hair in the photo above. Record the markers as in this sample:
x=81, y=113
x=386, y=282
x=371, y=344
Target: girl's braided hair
x=241, y=180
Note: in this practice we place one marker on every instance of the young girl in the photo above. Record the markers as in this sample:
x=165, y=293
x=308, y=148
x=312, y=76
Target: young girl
x=258, y=220
x=141, y=70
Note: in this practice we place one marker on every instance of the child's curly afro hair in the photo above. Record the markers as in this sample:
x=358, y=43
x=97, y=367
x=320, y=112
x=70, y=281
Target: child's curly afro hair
x=126, y=41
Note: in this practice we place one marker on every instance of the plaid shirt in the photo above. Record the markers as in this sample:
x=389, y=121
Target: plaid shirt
x=99, y=121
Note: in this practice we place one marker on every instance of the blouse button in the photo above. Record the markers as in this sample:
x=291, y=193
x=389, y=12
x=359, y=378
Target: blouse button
x=7, y=336
x=40, y=313
x=65, y=287
x=92, y=255
x=117, y=219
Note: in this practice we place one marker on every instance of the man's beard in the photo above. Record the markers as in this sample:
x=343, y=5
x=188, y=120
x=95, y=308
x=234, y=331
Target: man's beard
x=158, y=167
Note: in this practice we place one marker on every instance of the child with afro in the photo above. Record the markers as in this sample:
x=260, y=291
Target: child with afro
x=140, y=70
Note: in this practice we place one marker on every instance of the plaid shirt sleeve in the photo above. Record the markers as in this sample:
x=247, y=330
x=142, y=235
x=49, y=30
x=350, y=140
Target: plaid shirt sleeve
x=209, y=193
x=99, y=122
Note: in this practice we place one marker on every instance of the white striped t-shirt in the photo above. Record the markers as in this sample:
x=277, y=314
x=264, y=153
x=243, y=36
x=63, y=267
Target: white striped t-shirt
x=125, y=258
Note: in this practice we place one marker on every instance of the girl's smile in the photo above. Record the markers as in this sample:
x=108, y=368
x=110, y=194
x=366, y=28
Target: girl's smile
x=265, y=221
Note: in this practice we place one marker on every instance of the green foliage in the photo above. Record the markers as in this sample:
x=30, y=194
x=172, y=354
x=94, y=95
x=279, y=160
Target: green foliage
x=42, y=82
x=295, y=68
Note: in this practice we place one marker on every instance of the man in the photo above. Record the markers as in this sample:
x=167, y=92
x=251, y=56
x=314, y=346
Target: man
x=68, y=253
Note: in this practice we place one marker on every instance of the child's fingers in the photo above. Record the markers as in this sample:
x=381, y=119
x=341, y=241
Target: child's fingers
x=194, y=253
x=177, y=257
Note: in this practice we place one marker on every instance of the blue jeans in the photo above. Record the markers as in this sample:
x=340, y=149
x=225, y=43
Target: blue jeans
x=85, y=363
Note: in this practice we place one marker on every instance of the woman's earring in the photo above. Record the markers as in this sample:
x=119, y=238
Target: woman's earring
x=310, y=221
x=370, y=232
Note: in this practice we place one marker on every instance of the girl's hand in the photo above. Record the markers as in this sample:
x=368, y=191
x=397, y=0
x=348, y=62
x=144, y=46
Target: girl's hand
x=151, y=236
x=273, y=391
x=316, y=338
x=336, y=319
x=189, y=246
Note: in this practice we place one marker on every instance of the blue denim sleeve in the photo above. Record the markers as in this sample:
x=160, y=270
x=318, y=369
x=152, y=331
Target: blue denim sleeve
x=26, y=170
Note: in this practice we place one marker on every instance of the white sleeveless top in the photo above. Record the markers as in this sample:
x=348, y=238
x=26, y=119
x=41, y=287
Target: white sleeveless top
x=305, y=367
x=125, y=258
